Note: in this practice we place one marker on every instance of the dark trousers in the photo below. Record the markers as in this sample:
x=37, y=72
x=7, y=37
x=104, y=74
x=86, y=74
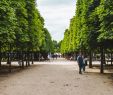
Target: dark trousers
x=80, y=69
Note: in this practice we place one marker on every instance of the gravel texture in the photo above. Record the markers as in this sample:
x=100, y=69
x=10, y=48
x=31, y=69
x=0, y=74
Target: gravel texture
x=56, y=77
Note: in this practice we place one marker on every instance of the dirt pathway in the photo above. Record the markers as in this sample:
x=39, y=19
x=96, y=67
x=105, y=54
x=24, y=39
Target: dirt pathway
x=55, y=78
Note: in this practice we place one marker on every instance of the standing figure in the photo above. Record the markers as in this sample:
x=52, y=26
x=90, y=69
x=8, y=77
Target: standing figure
x=80, y=63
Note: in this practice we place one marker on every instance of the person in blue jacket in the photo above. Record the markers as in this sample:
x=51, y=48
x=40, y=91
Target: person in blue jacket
x=80, y=63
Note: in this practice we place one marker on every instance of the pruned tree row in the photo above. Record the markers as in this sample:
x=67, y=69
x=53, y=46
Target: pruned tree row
x=91, y=29
x=22, y=33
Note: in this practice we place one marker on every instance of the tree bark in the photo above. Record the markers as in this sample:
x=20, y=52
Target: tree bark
x=0, y=55
x=111, y=58
x=9, y=57
x=32, y=57
x=28, y=58
x=90, y=59
x=22, y=58
x=102, y=60
x=39, y=56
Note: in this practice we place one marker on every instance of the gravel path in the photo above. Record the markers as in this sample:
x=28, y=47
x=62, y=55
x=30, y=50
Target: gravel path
x=56, y=78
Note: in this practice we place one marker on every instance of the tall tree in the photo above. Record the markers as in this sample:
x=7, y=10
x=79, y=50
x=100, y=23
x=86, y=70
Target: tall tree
x=22, y=24
x=7, y=23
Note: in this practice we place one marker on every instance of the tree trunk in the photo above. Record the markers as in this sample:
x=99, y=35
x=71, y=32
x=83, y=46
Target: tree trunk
x=9, y=57
x=90, y=59
x=75, y=56
x=102, y=60
x=22, y=58
x=0, y=55
x=111, y=58
x=39, y=56
x=32, y=57
x=19, y=58
x=28, y=58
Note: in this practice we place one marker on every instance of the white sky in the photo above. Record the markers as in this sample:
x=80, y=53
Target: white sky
x=57, y=15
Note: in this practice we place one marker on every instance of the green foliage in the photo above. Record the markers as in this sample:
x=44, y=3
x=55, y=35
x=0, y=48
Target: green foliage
x=65, y=42
x=105, y=12
x=91, y=27
x=22, y=25
x=21, y=31
x=47, y=44
x=56, y=46
x=7, y=22
x=33, y=24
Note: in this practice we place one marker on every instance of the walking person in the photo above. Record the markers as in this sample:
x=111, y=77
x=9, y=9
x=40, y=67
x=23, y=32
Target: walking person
x=80, y=63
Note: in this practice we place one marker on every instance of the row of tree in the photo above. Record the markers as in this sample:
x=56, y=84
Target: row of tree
x=22, y=29
x=91, y=28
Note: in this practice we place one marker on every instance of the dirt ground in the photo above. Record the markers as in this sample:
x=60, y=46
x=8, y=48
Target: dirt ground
x=58, y=77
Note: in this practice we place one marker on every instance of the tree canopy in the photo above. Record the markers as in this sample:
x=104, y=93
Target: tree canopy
x=91, y=27
x=22, y=26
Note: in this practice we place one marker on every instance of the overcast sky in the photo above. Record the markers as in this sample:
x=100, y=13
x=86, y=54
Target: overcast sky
x=57, y=15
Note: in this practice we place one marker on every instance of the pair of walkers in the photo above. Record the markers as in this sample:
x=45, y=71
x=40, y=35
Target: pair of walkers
x=82, y=62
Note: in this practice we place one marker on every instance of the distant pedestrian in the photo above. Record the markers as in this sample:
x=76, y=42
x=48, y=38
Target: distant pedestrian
x=80, y=63
x=84, y=63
